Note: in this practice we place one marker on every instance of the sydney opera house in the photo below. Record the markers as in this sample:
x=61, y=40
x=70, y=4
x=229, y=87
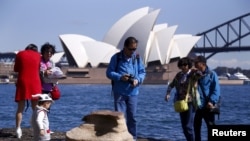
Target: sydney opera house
x=156, y=42
x=158, y=45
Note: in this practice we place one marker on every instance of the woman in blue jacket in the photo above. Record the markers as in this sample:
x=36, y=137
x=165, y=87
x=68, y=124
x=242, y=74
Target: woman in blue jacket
x=127, y=72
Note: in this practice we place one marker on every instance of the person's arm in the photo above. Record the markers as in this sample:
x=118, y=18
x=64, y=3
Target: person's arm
x=171, y=85
x=39, y=121
x=214, y=91
x=17, y=63
x=111, y=70
x=141, y=71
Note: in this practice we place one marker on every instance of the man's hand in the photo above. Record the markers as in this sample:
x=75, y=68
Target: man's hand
x=135, y=83
x=125, y=77
x=210, y=105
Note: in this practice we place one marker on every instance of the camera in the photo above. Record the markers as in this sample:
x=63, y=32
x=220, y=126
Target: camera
x=131, y=79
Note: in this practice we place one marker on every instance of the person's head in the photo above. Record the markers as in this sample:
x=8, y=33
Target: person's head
x=200, y=63
x=130, y=46
x=47, y=50
x=44, y=100
x=185, y=64
x=32, y=47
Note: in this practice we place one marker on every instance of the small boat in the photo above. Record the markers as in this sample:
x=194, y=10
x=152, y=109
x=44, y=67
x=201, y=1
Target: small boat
x=224, y=76
x=4, y=79
x=238, y=76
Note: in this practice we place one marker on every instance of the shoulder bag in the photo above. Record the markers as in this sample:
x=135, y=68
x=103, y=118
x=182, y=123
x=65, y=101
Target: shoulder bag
x=182, y=105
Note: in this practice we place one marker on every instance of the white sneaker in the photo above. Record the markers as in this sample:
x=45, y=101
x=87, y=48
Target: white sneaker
x=19, y=133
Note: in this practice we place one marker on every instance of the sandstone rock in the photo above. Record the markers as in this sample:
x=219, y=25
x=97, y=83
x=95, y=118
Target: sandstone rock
x=103, y=125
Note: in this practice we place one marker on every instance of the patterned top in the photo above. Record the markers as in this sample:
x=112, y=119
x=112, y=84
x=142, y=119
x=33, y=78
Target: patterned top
x=180, y=83
x=47, y=83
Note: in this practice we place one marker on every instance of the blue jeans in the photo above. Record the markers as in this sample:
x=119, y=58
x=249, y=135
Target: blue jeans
x=209, y=120
x=128, y=106
x=187, y=122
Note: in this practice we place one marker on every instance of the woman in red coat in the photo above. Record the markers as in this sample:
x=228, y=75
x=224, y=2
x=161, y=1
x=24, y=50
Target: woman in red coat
x=27, y=64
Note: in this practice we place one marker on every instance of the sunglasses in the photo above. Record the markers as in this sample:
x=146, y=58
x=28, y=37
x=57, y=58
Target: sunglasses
x=184, y=64
x=131, y=49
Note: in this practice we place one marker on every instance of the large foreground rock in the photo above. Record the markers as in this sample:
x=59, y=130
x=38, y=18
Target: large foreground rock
x=103, y=125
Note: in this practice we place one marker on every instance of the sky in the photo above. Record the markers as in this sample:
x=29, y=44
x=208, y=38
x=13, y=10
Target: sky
x=28, y=21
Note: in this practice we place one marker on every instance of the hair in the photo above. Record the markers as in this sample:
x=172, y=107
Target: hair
x=47, y=46
x=201, y=59
x=185, y=60
x=129, y=41
x=32, y=47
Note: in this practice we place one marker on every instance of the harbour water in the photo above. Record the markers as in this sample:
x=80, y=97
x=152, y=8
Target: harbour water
x=156, y=118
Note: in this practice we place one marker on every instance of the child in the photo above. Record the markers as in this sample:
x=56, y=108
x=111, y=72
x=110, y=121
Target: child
x=40, y=121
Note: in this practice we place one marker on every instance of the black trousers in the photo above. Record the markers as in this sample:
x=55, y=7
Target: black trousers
x=209, y=119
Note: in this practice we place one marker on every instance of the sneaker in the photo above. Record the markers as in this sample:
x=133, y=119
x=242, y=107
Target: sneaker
x=19, y=133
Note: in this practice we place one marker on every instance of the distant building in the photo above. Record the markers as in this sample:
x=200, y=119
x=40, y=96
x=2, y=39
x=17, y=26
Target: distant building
x=157, y=43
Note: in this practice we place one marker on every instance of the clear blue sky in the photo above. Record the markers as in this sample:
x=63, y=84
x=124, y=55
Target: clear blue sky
x=30, y=21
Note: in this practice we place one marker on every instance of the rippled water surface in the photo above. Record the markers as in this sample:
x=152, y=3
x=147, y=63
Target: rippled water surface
x=156, y=118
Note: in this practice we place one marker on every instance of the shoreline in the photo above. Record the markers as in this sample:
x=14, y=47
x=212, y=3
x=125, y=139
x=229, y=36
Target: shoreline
x=146, y=81
x=107, y=81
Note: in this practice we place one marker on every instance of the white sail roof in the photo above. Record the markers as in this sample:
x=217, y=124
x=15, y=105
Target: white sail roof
x=156, y=42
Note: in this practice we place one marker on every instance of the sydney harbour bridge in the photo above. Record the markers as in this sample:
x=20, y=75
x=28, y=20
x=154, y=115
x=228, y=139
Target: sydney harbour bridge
x=230, y=36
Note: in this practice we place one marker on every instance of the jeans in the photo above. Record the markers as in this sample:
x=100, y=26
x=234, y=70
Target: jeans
x=187, y=122
x=209, y=120
x=128, y=106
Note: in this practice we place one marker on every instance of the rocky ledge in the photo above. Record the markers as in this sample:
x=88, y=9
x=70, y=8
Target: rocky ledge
x=8, y=134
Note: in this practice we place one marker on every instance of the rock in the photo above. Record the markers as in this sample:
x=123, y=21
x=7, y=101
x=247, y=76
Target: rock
x=103, y=125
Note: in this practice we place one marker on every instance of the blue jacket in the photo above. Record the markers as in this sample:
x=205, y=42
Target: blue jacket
x=120, y=66
x=208, y=85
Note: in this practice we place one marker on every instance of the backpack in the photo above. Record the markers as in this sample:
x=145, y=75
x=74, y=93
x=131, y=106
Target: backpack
x=117, y=62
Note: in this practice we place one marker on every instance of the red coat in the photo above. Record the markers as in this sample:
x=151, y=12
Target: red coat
x=27, y=64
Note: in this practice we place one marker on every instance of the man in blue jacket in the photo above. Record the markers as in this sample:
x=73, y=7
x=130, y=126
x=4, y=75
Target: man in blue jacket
x=209, y=90
x=127, y=72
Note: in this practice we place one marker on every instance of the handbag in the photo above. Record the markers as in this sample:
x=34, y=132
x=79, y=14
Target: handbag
x=55, y=93
x=182, y=105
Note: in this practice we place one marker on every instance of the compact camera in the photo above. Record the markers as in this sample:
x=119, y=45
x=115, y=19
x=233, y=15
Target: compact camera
x=131, y=79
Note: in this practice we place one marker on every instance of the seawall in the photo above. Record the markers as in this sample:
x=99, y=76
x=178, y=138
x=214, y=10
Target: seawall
x=155, y=75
